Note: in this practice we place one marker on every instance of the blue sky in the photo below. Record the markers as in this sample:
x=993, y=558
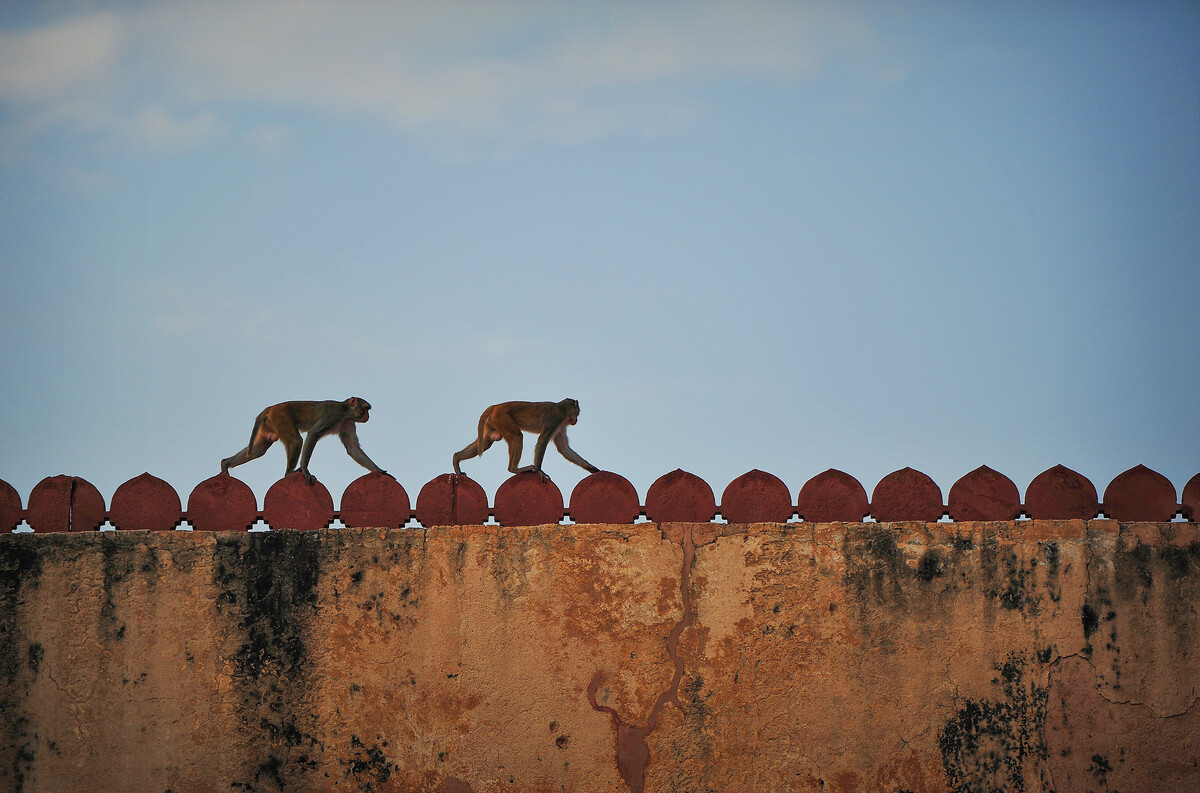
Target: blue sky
x=784, y=236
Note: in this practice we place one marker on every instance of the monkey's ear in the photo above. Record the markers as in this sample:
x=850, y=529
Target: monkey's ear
x=352, y=402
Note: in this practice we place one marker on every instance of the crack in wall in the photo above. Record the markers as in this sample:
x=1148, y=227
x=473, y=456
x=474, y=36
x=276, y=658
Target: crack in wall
x=1054, y=665
x=1100, y=601
x=71, y=506
x=633, y=753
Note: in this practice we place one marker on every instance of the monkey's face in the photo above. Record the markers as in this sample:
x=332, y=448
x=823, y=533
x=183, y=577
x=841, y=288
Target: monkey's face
x=361, y=411
x=572, y=412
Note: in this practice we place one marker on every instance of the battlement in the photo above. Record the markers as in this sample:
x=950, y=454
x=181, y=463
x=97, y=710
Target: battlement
x=224, y=503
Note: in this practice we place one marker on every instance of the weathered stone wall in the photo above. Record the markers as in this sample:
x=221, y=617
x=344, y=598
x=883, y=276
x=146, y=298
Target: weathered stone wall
x=1015, y=656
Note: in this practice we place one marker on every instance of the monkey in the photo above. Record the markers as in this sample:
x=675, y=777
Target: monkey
x=285, y=422
x=508, y=419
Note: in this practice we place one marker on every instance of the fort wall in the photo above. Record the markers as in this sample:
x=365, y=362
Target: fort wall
x=1010, y=655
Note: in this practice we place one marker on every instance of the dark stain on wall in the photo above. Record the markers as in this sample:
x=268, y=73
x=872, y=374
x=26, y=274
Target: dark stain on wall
x=36, y=655
x=20, y=570
x=873, y=568
x=118, y=564
x=995, y=745
x=368, y=765
x=1149, y=590
x=930, y=566
x=1089, y=619
x=1008, y=580
x=1139, y=570
x=1098, y=614
x=272, y=576
x=1054, y=570
x=268, y=585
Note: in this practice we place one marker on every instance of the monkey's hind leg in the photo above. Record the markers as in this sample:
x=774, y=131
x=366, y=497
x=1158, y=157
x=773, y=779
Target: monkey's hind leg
x=514, y=456
x=252, y=452
x=261, y=438
x=472, y=449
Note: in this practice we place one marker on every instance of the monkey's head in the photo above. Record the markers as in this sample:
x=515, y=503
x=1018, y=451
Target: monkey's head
x=572, y=407
x=359, y=409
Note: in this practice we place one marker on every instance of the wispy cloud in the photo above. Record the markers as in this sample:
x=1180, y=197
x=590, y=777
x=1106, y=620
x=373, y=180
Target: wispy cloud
x=268, y=138
x=60, y=60
x=157, y=126
x=166, y=73
x=224, y=318
x=209, y=315
x=75, y=73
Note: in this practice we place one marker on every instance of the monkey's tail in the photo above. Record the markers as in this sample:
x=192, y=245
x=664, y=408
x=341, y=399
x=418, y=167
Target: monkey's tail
x=483, y=420
x=258, y=422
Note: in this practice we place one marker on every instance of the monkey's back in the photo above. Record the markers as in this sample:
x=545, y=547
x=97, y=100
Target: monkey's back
x=523, y=413
x=302, y=414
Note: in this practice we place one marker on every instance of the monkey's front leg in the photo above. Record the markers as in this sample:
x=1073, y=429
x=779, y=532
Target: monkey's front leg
x=310, y=441
x=539, y=454
x=536, y=470
x=526, y=469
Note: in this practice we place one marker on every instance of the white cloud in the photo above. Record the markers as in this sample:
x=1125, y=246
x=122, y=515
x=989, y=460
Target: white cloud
x=528, y=70
x=156, y=126
x=210, y=315
x=70, y=73
x=59, y=60
x=268, y=138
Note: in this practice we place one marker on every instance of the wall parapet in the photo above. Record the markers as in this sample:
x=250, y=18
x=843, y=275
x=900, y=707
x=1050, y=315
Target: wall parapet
x=225, y=503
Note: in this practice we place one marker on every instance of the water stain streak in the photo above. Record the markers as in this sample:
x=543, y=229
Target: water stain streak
x=633, y=753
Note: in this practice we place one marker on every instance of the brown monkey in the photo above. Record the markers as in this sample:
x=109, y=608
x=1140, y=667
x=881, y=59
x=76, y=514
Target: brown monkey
x=508, y=419
x=285, y=422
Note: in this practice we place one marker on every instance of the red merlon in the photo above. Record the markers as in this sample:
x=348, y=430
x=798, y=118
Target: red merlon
x=680, y=497
x=984, y=494
x=756, y=497
x=1140, y=494
x=605, y=497
x=452, y=500
x=222, y=503
x=526, y=500
x=292, y=503
x=906, y=494
x=1061, y=494
x=145, y=502
x=832, y=496
x=65, y=503
x=10, y=507
x=375, y=500
x=1191, y=498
